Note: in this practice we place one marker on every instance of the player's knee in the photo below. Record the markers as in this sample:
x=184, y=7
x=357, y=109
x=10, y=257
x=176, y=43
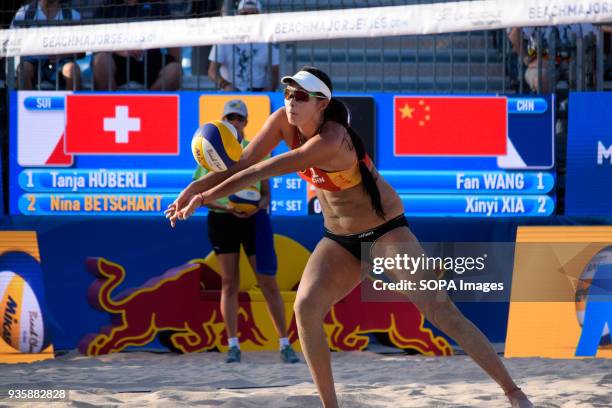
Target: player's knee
x=267, y=283
x=442, y=314
x=307, y=309
x=230, y=286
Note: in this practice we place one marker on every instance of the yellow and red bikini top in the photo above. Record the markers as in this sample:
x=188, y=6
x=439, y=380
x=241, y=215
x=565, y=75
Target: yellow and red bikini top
x=331, y=180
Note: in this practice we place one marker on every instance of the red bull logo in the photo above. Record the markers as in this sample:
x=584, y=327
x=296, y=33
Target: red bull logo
x=171, y=305
x=181, y=308
x=350, y=320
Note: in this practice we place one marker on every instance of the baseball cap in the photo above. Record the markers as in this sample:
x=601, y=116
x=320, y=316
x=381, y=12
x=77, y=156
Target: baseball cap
x=249, y=5
x=235, y=106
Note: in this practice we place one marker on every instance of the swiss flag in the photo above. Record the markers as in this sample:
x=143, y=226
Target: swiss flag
x=122, y=124
x=450, y=126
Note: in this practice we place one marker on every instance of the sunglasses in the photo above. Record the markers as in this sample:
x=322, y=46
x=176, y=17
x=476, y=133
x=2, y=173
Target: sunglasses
x=300, y=95
x=235, y=116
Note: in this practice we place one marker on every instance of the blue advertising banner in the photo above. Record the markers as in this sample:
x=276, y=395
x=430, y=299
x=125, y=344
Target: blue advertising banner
x=589, y=155
x=147, y=248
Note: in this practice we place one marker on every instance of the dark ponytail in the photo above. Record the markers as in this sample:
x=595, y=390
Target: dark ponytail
x=338, y=112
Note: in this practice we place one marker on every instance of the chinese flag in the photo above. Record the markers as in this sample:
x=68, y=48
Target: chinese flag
x=122, y=124
x=450, y=126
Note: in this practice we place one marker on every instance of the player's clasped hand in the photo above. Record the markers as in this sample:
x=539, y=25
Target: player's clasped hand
x=181, y=209
x=196, y=202
x=173, y=210
x=171, y=214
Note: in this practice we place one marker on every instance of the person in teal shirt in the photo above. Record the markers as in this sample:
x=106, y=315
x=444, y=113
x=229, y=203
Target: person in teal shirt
x=227, y=230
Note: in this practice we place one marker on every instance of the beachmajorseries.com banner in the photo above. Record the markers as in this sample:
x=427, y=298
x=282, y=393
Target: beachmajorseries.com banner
x=330, y=24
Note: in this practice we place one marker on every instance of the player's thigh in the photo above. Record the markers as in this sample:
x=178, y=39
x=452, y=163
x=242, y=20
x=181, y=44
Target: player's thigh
x=402, y=257
x=330, y=274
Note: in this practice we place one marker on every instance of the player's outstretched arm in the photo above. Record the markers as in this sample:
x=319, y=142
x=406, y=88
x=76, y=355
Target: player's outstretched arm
x=262, y=144
x=317, y=151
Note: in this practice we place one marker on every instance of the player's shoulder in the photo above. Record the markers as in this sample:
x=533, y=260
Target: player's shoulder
x=333, y=132
x=281, y=110
x=332, y=126
x=279, y=119
x=279, y=116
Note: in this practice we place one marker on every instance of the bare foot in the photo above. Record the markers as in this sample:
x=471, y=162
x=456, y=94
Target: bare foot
x=518, y=399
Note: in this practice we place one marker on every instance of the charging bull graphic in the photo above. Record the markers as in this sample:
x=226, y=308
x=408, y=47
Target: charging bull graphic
x=171, y=303
x=181, y=308
x=350, y=319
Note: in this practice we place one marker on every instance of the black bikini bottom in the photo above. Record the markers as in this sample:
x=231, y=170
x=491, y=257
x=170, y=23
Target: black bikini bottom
x=352, y=243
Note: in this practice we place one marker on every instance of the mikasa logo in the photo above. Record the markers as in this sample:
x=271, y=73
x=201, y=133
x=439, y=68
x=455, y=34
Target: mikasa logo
x=9, y=318
x=603, y=153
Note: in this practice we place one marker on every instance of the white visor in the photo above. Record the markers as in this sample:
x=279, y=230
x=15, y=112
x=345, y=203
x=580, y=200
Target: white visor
x=309, y=82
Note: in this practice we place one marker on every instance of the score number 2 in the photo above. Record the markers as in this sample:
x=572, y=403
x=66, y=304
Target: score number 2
x=32, y=200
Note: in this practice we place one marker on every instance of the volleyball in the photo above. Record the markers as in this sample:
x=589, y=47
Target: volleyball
x=216, y=145
x=23, y=326
x=245, y=200
x=595, y=268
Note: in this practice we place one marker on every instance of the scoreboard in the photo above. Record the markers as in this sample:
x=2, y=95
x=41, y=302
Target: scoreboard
x=483, y=156
x=101, y=191
x=518, y=180
x=469, y=165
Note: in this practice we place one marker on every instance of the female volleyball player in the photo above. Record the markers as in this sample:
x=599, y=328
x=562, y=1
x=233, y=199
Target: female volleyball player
x=358, y=206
